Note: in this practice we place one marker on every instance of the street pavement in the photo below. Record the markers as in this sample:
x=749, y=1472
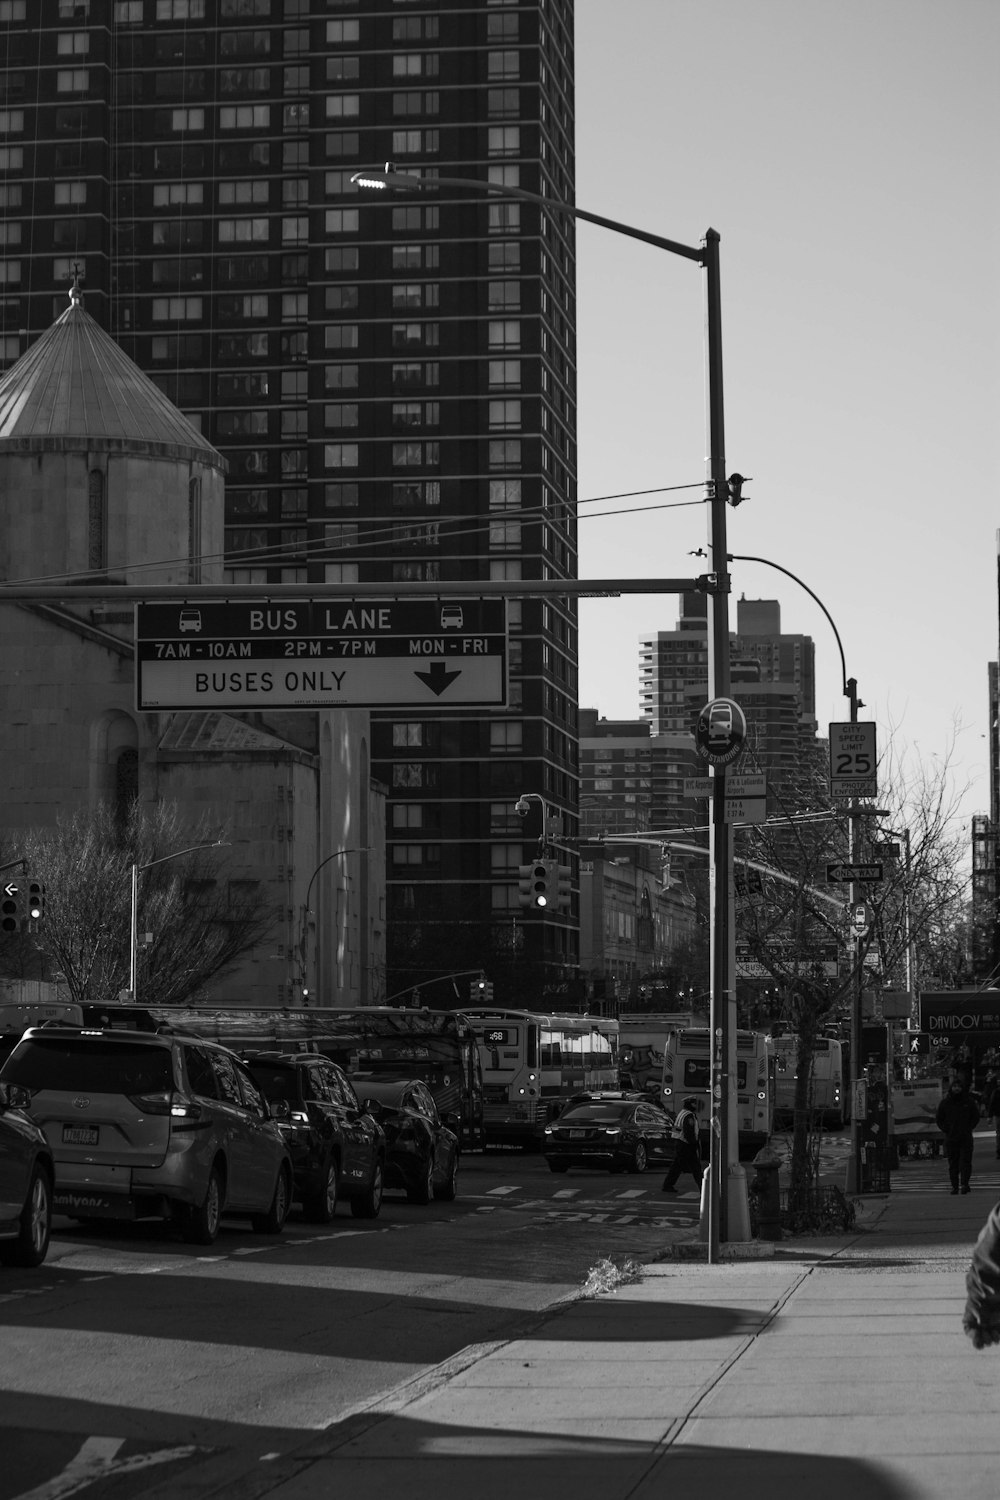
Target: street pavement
x=832, y=1367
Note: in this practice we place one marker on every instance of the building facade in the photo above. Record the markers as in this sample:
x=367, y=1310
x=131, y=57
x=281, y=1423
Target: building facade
x=391, y=382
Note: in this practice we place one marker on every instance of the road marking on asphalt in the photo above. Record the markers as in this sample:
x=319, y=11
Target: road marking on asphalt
x=98, y=1459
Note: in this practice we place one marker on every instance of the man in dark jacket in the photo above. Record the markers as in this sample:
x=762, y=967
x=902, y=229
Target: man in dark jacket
x=957, y=1117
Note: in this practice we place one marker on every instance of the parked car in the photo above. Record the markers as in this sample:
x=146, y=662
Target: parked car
x=421, y=1151
x=622, y=1131
x=26, y=1176
x=143, y=1124
x=337, y=1149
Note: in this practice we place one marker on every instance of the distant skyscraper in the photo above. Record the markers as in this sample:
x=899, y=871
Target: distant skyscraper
x=392, y=382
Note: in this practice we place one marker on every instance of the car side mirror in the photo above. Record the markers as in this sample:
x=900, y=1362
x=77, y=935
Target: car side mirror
x=14, y=1096
x=280, y=1109
x=372, y=1107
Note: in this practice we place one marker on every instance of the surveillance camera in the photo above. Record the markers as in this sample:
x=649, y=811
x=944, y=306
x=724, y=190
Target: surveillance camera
x=522, y=807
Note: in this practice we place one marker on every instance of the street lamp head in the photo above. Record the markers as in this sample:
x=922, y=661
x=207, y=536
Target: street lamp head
x=387, y=177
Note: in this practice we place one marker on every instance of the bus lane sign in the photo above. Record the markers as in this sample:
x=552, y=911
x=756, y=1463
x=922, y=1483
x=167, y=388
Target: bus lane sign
x=329, y=653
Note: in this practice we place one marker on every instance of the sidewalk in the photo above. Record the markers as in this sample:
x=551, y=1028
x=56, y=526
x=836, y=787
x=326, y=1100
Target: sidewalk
x=836, y=1368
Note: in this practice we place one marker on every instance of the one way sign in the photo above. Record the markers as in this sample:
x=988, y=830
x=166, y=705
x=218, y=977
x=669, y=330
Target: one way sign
x=845, y=874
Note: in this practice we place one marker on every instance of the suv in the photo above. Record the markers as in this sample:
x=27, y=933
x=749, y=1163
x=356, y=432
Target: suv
x=25, y=1183
x=145, y=1124
x=336, y=1147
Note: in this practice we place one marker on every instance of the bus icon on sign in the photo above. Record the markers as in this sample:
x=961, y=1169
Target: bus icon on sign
x=190, y=619
x=452, y=617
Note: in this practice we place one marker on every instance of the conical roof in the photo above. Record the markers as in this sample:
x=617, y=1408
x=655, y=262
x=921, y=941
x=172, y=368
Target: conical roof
x=75, y=386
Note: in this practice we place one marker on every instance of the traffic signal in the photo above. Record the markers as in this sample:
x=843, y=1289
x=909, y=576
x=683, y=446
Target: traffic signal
x=524, y=894
x=481, y=990
x=542, y=883
x=11, y=908
x=36, y=900
x=564, y=885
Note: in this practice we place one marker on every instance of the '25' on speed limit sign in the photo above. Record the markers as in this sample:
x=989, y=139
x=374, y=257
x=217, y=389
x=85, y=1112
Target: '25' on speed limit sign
x=853, y=766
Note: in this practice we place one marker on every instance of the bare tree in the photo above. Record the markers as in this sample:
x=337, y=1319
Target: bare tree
x=920, y=908
x=201, y=921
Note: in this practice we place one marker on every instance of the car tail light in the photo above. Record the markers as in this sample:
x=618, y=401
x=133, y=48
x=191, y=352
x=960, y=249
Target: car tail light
x=298, y=1117
x=153, y=1104
x=182, y=1108
x=612, y=1130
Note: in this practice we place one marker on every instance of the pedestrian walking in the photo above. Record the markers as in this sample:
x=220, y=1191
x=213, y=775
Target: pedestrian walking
x=687, y=1152
x=991, y=1103
x=957, y=1117
x=981, y=1319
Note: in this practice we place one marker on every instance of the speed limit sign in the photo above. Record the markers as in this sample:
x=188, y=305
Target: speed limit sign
x=853, y=760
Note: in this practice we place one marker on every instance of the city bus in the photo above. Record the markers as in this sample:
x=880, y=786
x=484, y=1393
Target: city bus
x=16, y=1017
x=437, y=1046
x=642, y=1039
x=533, y=1062
x=687, y=1070
x=829, y=1091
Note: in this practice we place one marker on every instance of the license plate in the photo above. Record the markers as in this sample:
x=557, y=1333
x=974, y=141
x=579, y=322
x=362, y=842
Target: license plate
x=80, y=1135
x=576, y=1135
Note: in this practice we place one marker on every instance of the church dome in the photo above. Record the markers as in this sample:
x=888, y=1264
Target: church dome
x=75, y=387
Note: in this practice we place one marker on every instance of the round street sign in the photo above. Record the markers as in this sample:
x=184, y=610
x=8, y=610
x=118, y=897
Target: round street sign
x=720, y=731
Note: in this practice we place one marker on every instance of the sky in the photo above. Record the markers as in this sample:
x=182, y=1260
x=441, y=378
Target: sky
x=847, y=154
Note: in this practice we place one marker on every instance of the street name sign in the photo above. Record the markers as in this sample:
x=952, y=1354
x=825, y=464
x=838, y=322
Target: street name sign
x=744, y=809
x=845, y=874
x=746, y=786
x=698, y=786
x=330, y=653
x=853, y=760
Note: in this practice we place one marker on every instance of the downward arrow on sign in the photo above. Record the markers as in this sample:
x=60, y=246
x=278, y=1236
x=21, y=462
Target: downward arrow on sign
x=438, y=678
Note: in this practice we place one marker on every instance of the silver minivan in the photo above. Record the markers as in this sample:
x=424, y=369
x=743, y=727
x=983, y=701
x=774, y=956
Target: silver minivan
x=145, y=1125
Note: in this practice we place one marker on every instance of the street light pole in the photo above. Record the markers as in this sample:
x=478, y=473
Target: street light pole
x=722, y=962
x=357, y=849
x=133, y=978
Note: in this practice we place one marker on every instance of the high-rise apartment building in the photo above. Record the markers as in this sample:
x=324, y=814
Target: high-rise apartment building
x=391, y=380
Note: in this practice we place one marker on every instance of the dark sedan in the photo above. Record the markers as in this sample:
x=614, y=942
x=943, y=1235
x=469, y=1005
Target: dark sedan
x=620, y=1132
x=421, y=1150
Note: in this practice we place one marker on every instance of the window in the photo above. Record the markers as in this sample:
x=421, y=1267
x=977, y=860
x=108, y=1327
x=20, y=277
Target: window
x=413, y=493
x=341, y=336
x=340, y=455
x=504, y=296
x=244, y=190
x=502, y=65
x=416, y=572
x=171, y=309
x=504, y=218
x=341, y=377
x=343, y=106
x=415, y=65
x=505, y=334
x=342, y=69
x=294, y=385
x=506, y=736
x=340, y=572
x=338, y=415
x=295, y=231
x=503, y=140
x=505, y=414
x=340, y=534
x=415, y=142
x=343, y=143
x=187, y=119
x=180, y=10
x=340, y=496
x=341, y=296
x=164, y=193
x=234, y=231
x=341, y=258
x=243, y=116
x=294, y=307
x=72, y=80
x=505, y=453
x=340, y=32
x=505, y=373
x=342, y=221
x=505, y=494
x=72, y=44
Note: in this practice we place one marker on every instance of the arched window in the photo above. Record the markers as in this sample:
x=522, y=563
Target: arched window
x=194, y=531
x=126, y=784
x=97, y=523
